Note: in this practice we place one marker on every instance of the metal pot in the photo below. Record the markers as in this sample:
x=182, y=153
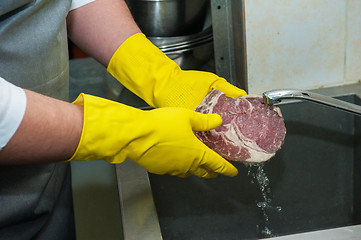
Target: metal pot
x=190, y=51
x=165, y=18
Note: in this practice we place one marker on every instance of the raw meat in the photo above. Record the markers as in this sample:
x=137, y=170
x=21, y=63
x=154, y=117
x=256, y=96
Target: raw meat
x=251, y=132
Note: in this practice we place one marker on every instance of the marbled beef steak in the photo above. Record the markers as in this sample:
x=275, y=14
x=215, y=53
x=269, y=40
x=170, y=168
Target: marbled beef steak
x=252, y=131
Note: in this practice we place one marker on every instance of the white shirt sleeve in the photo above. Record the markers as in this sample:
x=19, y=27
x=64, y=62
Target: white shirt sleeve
x=12, y=110
x=78, y=3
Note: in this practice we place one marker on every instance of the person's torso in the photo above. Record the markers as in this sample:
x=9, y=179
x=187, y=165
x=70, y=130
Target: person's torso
x=33, y=49
x=35, y=199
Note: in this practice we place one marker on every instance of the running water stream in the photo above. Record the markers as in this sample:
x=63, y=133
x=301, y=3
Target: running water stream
x=259, y=177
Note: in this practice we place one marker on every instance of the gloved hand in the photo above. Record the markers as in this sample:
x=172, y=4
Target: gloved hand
x=146, y=71
x=160, y=140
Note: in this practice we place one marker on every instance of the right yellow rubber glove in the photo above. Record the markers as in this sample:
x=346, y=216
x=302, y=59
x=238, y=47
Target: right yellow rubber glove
x=160, y=140
x=146, y=71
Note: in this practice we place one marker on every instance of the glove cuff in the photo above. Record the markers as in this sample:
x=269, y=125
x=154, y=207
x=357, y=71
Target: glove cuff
x=77, y=155
x=146, y=71
x=142, y=68
x=97, y=138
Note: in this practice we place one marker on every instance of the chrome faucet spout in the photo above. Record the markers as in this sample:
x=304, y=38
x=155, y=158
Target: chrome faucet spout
x=276, y=96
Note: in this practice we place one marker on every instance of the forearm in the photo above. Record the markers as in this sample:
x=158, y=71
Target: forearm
x=50, y=131
x=100, y=27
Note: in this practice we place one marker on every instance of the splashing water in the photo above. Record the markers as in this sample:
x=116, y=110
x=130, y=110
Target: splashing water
x=259, y=176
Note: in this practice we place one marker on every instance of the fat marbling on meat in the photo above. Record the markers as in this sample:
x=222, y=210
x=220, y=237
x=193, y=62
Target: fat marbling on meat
x=252, y=131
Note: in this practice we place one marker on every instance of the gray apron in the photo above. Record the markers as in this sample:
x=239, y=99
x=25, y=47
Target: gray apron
x=35, y=200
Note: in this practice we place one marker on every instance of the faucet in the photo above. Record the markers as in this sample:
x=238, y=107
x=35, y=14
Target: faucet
x=276, y=96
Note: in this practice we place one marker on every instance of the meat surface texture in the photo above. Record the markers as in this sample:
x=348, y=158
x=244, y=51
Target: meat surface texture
x=252, y=131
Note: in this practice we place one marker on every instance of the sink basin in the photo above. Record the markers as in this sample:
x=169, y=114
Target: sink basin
x=315, y=178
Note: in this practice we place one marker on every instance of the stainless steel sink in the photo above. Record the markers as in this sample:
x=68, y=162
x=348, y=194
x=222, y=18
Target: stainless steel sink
x=315, y=178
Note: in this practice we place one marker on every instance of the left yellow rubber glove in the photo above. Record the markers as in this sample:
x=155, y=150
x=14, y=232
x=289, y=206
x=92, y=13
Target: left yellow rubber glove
x=146, y=71
x=160, y=140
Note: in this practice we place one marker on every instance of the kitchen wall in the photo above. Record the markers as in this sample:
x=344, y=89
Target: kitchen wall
x=303, y=44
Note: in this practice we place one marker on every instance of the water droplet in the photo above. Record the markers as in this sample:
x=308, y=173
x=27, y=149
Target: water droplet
x=249, y=170
x=262, y=204
x=267, y=232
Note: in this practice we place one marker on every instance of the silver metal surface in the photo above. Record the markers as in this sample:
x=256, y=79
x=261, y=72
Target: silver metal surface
x=139, y=216
x=180, y=42
x=229, y=37
x=190, y=51
x=165, y=18
x=276, y=96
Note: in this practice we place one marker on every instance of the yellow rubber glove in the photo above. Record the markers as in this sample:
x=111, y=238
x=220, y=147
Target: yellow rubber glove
x=160, y=140
x=146, y=71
